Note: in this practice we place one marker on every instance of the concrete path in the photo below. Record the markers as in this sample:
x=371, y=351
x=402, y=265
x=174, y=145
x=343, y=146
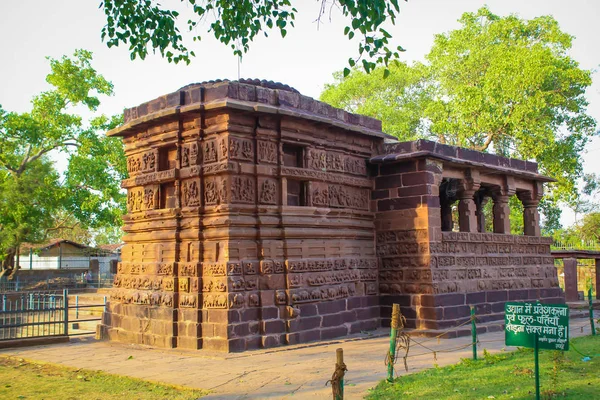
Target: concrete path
x=298, y=372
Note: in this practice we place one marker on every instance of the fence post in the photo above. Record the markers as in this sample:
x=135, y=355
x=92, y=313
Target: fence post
x=337, y=381
x=66, y=306
x=591, y=310
x=474, y=333
x=4, y=302
x=77, y=307
x=104, y=303
x=17, y=284
x=393, y=335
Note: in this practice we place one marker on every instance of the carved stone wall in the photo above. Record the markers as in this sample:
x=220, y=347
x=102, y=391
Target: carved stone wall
x=259, y=217
x=216, y=254
x=436, y=276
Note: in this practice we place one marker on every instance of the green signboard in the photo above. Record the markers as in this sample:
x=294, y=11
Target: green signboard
x=526, y=321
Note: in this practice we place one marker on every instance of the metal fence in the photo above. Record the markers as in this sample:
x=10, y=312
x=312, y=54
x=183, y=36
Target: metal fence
x=35, y=315
x=74, y=281
x=576, y=245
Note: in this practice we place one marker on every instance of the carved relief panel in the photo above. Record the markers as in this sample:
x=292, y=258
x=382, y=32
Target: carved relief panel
x=322, y=160
x=209, y=151
x=242, y=189
x=142, y=163
x=329, y=195
x=268, y=193
x=190, y=154
x=190, y=189
x=267, y=152
x=143, y=198
x=215, y=190
x=241, y=149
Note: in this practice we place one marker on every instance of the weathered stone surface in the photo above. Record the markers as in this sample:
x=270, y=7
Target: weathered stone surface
x=258, y=217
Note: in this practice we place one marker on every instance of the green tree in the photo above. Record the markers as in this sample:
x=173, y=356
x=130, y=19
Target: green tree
x=35, y=199
x=147, y=25
x=497, y=84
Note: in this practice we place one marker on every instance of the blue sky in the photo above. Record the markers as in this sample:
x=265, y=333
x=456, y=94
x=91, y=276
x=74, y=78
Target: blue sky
x=31, y=30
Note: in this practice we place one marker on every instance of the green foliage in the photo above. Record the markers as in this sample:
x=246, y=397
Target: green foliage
x=502, y=376
x=398, y=100
x=498, y=84
x=585, y=233
x=34, y=199
x=23, y=379
x=146, y=24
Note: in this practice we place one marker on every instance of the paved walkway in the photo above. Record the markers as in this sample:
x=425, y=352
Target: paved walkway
x=298, y=372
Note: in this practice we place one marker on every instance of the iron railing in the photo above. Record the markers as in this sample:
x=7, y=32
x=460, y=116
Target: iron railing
x=18, y=284
x=35, y=315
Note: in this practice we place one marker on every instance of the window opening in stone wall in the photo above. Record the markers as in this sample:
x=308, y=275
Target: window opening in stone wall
x=296, y=193
x=448, y=197
x=516, y=216
x=167, y=195
x=167, y=158
x=484, y=212
x=293, y=156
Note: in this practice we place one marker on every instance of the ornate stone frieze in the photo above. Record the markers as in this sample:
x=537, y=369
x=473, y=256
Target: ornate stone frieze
x=154, y=177
x=338, y=196
x=291, y=172
x=309, y=295
x=322, y=160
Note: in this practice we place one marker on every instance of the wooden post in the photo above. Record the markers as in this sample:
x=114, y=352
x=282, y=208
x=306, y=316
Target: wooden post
x=337, y=379
x=340, y=366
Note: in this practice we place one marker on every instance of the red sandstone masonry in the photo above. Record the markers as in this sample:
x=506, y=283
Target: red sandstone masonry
x=212, y=238
x=255, y=220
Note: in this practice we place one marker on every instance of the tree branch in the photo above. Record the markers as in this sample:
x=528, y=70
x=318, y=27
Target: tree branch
x=486, y=144
x=40, y=153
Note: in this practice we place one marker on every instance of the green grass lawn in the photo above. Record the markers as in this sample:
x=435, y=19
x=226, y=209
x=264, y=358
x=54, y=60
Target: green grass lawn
x=505, y=376
x=21, y=379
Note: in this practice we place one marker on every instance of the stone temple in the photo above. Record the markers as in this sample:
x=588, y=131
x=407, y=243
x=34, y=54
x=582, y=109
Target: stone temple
x=259, y=217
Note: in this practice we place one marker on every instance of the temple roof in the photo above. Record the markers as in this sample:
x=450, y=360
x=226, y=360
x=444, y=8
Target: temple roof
x=251, y=95
x=400, y=151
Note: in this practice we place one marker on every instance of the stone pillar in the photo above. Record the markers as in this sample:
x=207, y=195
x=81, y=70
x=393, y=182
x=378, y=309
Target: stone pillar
x=480, y=202
x=531, y=220
x=570, y=265
x=501, y=214
x=598, y=278
x=531, y=216
x=446, y=210
x=467, y=219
